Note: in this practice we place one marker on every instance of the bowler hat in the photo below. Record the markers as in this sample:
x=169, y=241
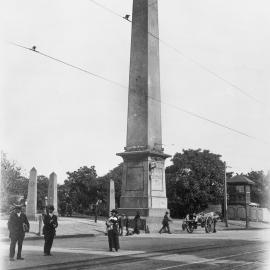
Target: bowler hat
x=113, y=211
x=17, y=206
x=51, y=207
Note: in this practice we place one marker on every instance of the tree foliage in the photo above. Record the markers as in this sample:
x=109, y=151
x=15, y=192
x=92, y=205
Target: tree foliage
x=42, y=190
x=195, y=179
x=116, y=175
x=13, y=183
x=260, y=191
x=82, y=187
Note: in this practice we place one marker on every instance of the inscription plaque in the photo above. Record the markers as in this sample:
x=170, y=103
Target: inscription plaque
x=156, y=177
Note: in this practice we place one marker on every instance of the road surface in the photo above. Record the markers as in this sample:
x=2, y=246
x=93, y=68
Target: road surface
x=241, y=249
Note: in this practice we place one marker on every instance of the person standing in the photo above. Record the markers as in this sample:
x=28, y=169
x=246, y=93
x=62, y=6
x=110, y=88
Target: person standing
x=50, y=224
x=165, y=223
x=113, y=231
x=126, y=223
x=136, y=220
x=17, y=224
x=121, y=224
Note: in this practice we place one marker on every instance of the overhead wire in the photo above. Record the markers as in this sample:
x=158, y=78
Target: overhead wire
x=192, y=60
x=106, y=8
x=157, y=100
x=70, y=65
x=207, y=119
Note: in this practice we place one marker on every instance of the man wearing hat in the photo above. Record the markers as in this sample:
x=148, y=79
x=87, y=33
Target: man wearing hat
x=113, y=230
x=50, y=224
x=17, y=224
x=165, y=223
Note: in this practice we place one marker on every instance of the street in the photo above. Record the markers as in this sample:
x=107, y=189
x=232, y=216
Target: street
x=224, y=250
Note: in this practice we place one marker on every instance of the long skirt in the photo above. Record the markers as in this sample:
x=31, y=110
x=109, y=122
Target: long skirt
x=113, y=239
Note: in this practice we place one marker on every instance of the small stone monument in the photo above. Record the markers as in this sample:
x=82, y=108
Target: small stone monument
x=52, y=191
x=31, y=207
x=111, y=196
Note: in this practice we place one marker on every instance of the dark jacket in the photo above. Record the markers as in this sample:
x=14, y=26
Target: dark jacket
x=18, y=225
x=50, y=223
x=112, y=224
x=166, y=220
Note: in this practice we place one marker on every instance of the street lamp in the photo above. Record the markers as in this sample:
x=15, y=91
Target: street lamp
x=46, y=201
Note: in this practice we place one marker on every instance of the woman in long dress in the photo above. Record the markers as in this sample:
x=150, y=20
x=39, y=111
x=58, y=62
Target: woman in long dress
x=113, y=231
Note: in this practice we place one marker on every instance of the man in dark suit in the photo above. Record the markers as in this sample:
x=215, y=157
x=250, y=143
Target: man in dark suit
x=50, y=224
x=165, y=223
x=17, y=224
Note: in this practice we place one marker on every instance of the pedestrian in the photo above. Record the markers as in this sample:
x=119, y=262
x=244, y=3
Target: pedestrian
x=137, y=219
x=50, y=224
x=18, y=225
x=126, y=223
x=121, y=224
x=113, y=231
x=165, y=223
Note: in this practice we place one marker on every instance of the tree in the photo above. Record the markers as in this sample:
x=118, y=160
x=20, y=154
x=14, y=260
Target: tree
x=195, y=179
x=82, y=187
x=260, y=191
x=103, y=183
x=42, y=191
x=13, y=184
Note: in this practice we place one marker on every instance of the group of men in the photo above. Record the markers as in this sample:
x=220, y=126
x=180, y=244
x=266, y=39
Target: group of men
x=115, y=224
x=18, y=225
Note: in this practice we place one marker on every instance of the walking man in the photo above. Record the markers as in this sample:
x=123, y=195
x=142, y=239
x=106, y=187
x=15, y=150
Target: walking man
x=165, y=223
x=50, y=224
x=17, y=224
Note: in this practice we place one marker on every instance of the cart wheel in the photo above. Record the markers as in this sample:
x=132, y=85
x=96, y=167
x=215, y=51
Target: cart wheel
x=190, y=228
x=208, y=225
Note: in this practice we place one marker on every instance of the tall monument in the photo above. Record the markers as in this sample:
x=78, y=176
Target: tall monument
x=31, y=207
x=52, y=191
x=143, y=182
x=111, y=197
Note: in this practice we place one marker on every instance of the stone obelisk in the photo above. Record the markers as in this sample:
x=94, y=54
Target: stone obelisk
x=143, y=182
x=31, y=207
x=111, y=196
x=52, y=191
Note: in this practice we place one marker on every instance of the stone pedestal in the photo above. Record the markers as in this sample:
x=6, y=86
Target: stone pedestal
x=143, y=182
x=31, y=207
x=52, y=191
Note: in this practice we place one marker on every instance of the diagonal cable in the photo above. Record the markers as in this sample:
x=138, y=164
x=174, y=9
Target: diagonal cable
x=157, y=100
x=190, y=59
x=70, y=65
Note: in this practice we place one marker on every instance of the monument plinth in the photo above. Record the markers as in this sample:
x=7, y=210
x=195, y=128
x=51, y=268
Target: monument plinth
x=143, y=182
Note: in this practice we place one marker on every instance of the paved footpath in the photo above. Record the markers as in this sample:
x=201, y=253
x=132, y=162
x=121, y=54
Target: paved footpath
x=67, y=227
x=76, y=227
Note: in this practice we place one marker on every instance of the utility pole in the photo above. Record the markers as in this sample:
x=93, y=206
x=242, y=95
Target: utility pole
x=225, y=196
x=246, y=206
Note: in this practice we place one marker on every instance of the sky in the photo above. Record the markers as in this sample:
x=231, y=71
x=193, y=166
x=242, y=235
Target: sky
x=214, y=62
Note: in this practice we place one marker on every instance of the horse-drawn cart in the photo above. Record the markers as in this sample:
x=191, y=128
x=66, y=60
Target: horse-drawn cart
x=205, y=220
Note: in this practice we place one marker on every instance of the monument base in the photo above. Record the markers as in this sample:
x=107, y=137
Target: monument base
x=152, y=217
